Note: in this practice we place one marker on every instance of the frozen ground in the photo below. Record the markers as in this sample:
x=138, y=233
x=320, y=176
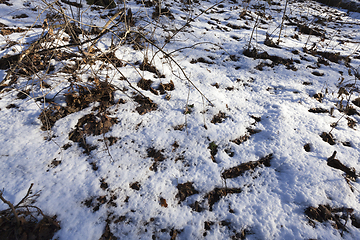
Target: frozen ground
x=233, y=138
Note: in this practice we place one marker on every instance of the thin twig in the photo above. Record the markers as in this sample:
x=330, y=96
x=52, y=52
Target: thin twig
x=12, y=208
x=27, y=194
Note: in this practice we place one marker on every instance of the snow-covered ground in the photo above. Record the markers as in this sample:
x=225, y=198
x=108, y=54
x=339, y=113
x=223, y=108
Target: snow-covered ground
x=231, y=144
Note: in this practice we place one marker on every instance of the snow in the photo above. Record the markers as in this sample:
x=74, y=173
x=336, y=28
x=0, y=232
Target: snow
x=273, y=199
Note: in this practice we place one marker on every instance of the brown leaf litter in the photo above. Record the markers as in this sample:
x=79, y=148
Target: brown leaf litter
x=77, y=99
x=244, y=167
x=185, y=190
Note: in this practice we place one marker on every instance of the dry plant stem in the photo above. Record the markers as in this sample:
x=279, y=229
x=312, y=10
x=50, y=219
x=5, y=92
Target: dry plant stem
x=192, y=46
x=105, y=28
x=27, y=194
x=123, y=75
x=186, y=110
x=252, y=33
x=181, y=69
x=12, y=208
x=282, y=22
x=337, y=123
x=186, y=24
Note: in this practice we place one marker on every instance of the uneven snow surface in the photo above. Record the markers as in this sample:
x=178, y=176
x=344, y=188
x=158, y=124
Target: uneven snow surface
x=231, y=150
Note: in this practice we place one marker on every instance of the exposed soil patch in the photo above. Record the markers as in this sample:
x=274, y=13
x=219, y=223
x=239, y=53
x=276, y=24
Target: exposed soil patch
x=328, y=137
x=219, y=118
x=318, y=110
x=157, y=156
x=23, y=15
x=144, y=84
x=248, y=166
x=136, y=186
x=163, y=87
x=269, y=42
x=305, y=29
x=351, y=122
x=289, y=63
x=77, y=100
x=6, y=2
x=163, y=202
x=215, y=195
x=162, y=12
x=335, y=163
x=213, y=150
x=318, y=96
x=324, y=213
x=356, y=102
x=21, y=221
x=185, y=190
x=91, y=124
x=23, y=94
x=102, y=3
x=110, y=57
x=146, y=104
x=107, y=235
x=145, y=66
x=317, y=73
x=96, y=202
x=355, y=221
x=349, y=5
x=331, y=56
x=201, y=60
x=8, y=31
x=244, y=138
x=350, y=110
x=55, y=163
x=29, y=227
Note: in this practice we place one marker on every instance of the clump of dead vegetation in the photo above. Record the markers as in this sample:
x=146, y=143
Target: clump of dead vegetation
x=26, y=221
